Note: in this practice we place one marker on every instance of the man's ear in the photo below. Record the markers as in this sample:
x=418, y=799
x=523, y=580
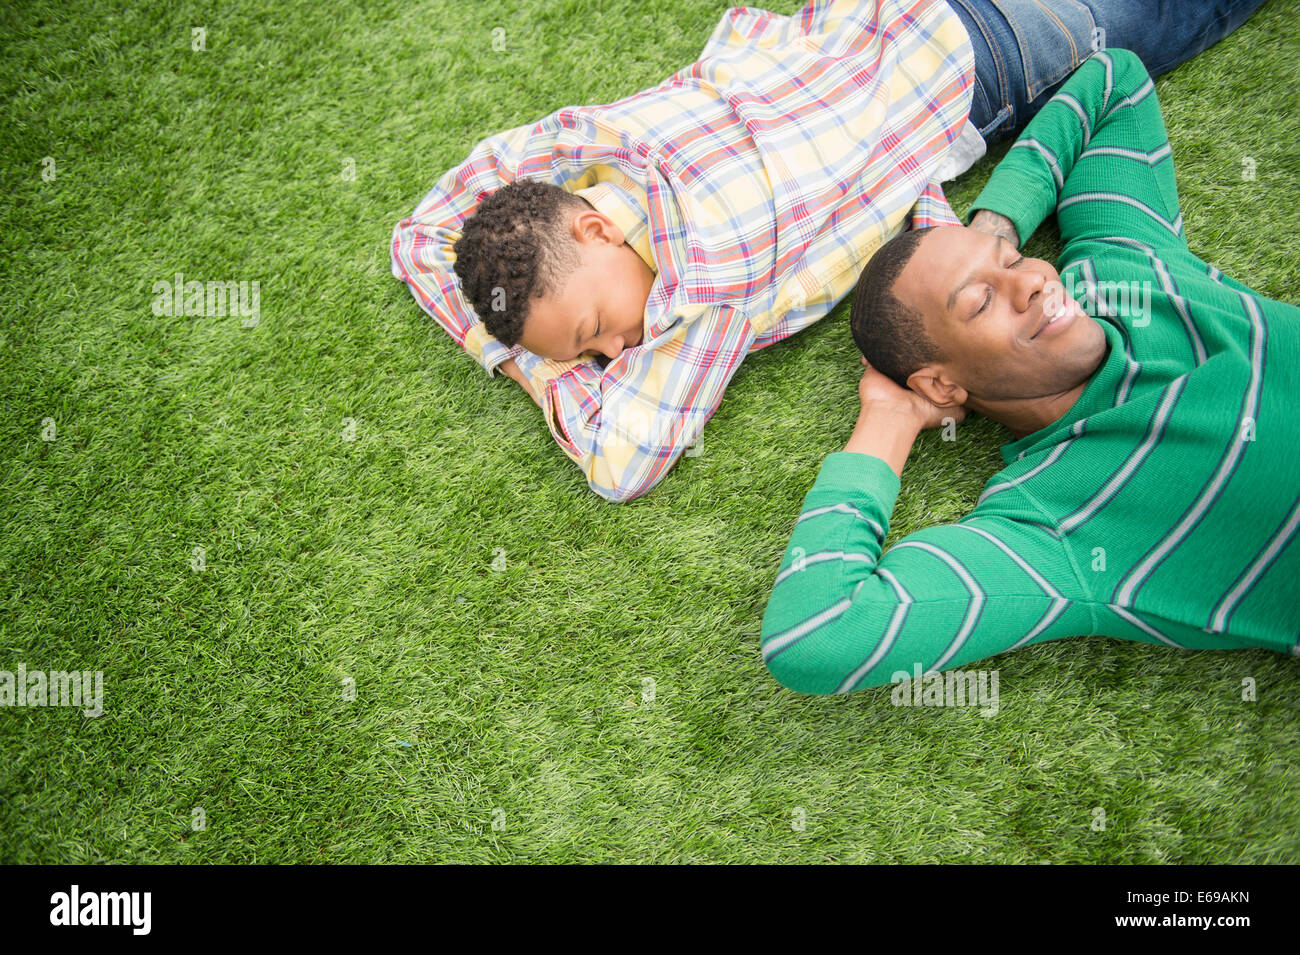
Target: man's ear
x=930, y=382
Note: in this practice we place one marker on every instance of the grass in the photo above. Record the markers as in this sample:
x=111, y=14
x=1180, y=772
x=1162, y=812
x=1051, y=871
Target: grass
x=500, y=715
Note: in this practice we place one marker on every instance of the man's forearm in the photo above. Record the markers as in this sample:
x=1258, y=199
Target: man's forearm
x=887, y=435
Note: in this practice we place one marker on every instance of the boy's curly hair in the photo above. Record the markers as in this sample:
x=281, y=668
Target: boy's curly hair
x=515, y=248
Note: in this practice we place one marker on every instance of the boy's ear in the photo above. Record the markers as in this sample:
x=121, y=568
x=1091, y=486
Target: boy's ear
x=930, y=382
x=593, y=225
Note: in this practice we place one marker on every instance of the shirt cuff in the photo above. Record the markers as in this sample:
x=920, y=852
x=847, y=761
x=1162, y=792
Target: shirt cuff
x=932, y=209
x=1016, y=197
x=966, y=150
x=850, y=473
x=487, y=351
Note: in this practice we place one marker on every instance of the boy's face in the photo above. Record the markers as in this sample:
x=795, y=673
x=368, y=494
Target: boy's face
x=601, y=307
x=988, y=308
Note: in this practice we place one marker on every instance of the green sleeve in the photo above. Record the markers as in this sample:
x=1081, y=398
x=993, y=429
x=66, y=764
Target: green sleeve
x=1098, y=155
x=843, y=617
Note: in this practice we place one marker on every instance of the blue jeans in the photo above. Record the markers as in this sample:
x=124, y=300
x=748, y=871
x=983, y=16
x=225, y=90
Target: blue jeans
x=1025, y=49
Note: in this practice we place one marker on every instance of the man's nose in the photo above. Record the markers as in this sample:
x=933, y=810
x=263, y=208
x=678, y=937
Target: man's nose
x=1027, y=285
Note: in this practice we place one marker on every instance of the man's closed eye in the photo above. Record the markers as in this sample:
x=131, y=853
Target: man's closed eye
x=988, y=297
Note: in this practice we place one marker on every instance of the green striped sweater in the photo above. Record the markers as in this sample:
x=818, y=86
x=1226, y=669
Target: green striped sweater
x=1163, y=507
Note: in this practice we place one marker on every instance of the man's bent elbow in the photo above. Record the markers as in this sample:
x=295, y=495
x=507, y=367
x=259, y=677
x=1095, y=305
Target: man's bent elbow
x=787, y=670
x=820, y=663
x=786, y=664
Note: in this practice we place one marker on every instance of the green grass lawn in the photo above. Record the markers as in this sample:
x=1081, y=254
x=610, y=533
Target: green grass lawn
x=500, y=715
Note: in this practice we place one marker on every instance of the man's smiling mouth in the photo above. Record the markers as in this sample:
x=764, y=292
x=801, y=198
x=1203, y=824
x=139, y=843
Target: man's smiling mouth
x=1064, y=314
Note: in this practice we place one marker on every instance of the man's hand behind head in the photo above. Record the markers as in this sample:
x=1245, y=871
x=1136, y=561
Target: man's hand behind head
x=879, y=395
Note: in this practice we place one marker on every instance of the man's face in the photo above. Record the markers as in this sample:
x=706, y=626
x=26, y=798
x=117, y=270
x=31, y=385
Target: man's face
x=601, y=307
x=990, y=311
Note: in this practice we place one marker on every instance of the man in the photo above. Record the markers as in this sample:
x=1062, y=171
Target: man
x=1152, y=489
x=673, y=232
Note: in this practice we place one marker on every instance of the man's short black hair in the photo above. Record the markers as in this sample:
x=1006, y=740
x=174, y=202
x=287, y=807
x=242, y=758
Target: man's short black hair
x=890, y=334
x=516, y=247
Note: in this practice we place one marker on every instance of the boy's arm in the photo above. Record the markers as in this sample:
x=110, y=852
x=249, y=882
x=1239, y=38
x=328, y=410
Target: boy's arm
x=626, y=426
x=421, y=249
x=422, y=255
x=1098, y=154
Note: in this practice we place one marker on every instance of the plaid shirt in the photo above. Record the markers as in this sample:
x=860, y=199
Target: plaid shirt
x=756, y=183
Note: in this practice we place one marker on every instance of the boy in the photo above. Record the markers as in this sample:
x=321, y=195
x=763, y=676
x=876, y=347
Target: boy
x=671, y=233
